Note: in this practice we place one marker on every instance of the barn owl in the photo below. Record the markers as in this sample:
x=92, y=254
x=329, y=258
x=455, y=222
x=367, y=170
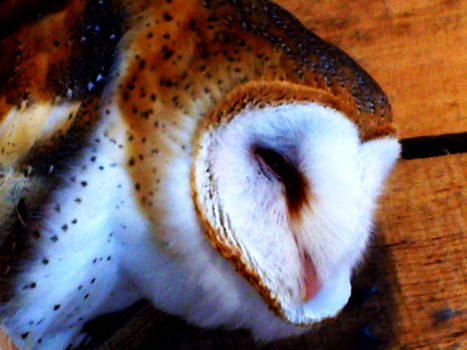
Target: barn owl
x=214, y=157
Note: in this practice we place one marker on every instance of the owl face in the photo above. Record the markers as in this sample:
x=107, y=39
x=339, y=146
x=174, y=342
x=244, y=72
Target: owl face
x=285, y=190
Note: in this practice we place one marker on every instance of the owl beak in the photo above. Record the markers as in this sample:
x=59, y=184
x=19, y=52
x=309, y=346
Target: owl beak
x=329, y=299
x=322, y=297
x=312, y=283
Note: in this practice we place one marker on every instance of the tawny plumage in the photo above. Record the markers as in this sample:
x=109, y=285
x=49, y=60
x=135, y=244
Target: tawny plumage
x=214, y=157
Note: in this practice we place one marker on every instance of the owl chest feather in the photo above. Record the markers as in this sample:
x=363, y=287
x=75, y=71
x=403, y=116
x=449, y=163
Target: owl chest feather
x=73, y=270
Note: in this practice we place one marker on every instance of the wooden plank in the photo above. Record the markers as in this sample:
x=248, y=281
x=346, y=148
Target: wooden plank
x=416, y=50
x=424, y=221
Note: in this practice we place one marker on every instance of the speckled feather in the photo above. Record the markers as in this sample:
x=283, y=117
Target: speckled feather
x=160, y=66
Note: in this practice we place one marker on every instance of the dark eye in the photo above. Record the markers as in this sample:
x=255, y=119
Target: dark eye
x=274, y=164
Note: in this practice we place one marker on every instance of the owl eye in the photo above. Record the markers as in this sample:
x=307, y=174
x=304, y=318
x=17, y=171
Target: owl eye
x=274, y=164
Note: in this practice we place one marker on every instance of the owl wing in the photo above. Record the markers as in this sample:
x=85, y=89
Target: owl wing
x=54, y=64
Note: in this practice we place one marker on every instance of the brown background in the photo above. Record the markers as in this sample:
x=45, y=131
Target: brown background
x=412, y=292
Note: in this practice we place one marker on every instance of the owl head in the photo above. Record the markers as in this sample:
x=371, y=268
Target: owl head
x=271, y=147
x=283, y=186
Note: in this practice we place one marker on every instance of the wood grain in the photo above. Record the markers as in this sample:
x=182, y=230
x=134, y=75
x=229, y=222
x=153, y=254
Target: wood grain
x=424, y=220
x=416, y=50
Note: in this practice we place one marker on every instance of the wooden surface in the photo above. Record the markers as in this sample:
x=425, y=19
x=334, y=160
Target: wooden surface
x=423, y=219
x=417, y=51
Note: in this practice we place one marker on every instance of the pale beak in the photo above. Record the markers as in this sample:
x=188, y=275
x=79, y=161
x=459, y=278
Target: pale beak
x=330, y=298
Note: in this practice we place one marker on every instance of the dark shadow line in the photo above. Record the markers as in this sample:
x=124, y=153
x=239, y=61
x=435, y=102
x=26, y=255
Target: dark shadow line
x=433, y=146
